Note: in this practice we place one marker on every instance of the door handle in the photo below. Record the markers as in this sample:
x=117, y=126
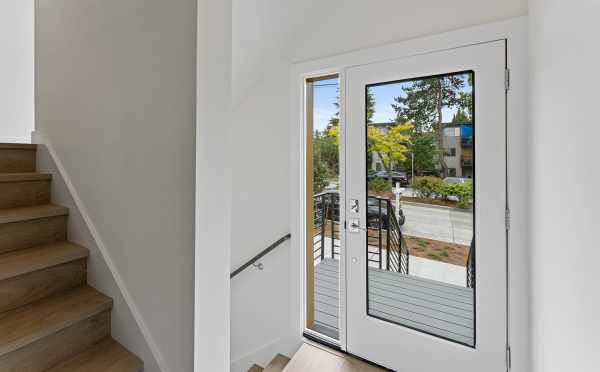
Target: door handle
x=355, y=226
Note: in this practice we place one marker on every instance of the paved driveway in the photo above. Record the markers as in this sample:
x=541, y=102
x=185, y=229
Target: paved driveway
x=442, y=224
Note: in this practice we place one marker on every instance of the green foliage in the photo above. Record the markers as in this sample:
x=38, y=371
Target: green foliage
x=370, y=106
x=464, y=193
x=379, y=185
x=426, y=187
x=434, y=187
x=319, y=176
x=326, y=151
x=389, y=146
x=424, y=99
x=425, y=152
x=461, y=116
x=445, y=189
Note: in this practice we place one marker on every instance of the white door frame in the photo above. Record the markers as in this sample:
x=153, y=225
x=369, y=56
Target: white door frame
x=515, y=32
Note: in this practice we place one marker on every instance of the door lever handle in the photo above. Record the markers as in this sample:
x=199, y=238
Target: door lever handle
x=355, y=226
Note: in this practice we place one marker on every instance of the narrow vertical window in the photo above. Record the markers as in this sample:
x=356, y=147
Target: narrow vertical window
x=323, y=206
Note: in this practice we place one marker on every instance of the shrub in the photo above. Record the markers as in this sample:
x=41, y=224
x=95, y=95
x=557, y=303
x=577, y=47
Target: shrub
x=464, y=193
x=434, y=187
x=380, y=185
x=444, y=190
x=319, y=176
x=426, y=187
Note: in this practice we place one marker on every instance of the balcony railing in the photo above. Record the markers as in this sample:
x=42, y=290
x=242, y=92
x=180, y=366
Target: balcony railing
x=387, y=248
x=466, y=161
x=471, y=266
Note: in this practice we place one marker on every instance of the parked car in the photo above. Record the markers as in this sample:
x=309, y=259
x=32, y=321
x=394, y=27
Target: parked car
x=332, y=210
x=397, y=176
x=373, y=215
x=457, y=180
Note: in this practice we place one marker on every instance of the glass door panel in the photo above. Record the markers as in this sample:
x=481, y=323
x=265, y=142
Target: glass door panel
x=420, y=204
x=323, y=207
x=426, y=187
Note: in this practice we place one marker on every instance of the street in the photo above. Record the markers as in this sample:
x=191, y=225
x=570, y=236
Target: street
x=438, y=223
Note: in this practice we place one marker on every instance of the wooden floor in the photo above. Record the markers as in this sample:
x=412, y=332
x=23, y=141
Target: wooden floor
x=314, y=358
x=437, y=308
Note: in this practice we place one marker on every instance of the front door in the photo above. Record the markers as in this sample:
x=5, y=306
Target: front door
x=426, y=200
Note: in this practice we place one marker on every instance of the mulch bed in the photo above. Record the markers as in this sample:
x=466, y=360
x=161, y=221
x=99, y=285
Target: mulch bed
x=451, y=253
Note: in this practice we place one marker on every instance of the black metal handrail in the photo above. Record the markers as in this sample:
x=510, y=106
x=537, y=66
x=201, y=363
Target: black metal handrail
x=382, y=227
x=389, y=237
x=260, y=255
x=326, y=209
x=471, y=267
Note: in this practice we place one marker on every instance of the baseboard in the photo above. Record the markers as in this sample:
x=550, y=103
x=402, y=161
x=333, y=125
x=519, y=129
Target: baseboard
x=82, y=211
x=263, y=355
x=15, y=140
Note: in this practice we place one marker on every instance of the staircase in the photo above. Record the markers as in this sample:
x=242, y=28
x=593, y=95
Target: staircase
x=50, y=319
x=313, y=357
x=277, y=365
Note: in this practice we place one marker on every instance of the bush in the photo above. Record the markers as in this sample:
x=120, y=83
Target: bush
x=464, y=193
x=444, y=190
x=434, y=187
x=319, y=177
x=380, y=185
x=426, y=187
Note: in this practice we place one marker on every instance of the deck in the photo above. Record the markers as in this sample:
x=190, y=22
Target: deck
x=437, y=308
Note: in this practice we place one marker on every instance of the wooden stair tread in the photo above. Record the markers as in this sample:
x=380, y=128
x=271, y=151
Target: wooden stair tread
x=105, y=356
x=28, y=260
x=256, y=368
x=277, y=364
x=317, y=358
x=35, y=321
x=18, y=146
x=24, y=177
x=10, y=215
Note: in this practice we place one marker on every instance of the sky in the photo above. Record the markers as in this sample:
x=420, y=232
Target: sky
x=326, y=94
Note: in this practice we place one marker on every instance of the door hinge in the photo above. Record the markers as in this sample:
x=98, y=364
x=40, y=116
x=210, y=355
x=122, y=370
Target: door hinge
x=507, y=218
x=507, y=79
x=508, y=358
x=345, y=228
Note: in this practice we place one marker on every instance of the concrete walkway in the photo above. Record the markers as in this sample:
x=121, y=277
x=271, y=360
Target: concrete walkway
x=418, y=266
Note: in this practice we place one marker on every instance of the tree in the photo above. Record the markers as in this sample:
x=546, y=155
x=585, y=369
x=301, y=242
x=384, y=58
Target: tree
x=319, y=176
x=390, y=146
x=370, y=106
x=425, y=154
x=335, y=119
x=325, y=149
x=461, y=116
x=423, y=103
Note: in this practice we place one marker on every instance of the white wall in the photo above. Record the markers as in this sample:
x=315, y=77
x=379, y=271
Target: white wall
x=16, y=70
x=123, y=324
x=116, y=99
x=564, y=185
x=213, y=185
x=269, y=35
